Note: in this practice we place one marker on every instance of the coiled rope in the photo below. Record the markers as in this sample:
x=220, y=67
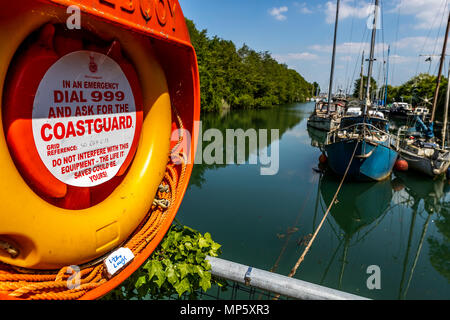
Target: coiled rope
x=24, y=284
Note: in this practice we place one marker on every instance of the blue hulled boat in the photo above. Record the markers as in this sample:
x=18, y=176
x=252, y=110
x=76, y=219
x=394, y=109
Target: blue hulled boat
x=374, y=157
x=362, y=140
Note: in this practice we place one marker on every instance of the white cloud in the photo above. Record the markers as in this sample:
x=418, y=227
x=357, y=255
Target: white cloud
x=302, y=8
x=401, y=59
x=278, y=13
x=428, y=14
x=419, y=45
x=349, y=48
x=362, y=10
x=304, y=56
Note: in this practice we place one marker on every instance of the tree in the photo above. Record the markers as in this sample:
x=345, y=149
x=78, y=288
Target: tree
x=243, y=78
x=419, y=91
x=316, y=88
x=357, y=86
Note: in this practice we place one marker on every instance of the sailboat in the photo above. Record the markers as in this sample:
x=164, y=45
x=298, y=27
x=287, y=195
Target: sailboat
x=327, y=114
x=419, y=148
x=362, y=143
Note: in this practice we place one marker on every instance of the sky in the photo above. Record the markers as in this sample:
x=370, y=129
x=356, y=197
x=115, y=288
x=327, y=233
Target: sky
x=300, y=34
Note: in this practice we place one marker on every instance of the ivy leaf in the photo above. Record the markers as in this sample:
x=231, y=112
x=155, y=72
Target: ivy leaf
x=203, y=243
x=152, y=268
x=161, y=277
x=167, y=263
x=140, y=281
x=182, y=286
x=171, y=275
x=199, y=257
x=208, y=237
x=205, y=281
x=215, y=247
x=183, y=268
x=188, y=245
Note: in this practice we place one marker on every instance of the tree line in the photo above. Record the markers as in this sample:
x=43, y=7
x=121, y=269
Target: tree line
x=243, y=78
x=418, y=91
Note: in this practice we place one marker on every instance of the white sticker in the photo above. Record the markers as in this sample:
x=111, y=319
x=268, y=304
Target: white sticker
x=118, y=260
x=84, y=119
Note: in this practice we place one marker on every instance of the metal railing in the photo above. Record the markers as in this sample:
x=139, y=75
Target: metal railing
x=255, y=279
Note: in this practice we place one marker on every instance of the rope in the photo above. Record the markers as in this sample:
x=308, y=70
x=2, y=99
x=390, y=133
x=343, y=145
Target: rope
x=302, y=257
x=25, y=284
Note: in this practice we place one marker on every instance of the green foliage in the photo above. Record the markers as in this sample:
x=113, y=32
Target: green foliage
x=316, y=88
x=177, y=266
x=243, y=78
x=417, y=90
x=357, y=86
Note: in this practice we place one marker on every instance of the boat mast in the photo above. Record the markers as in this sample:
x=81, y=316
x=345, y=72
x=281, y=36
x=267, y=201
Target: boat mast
x=371, y=59
x=387, y=77
x=447, y=97
x=441, y=64
x=361, y=83
x=330, y=89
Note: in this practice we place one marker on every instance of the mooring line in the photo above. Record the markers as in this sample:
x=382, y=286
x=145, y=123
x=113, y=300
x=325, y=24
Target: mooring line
x=302, y=257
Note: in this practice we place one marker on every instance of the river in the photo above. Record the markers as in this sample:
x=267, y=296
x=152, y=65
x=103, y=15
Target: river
x=400, y=225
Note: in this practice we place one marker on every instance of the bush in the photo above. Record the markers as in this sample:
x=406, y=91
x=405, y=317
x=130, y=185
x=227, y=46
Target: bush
x=178, y=266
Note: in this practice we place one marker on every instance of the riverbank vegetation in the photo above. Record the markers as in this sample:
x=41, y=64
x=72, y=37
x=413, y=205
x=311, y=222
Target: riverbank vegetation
x=243, y=78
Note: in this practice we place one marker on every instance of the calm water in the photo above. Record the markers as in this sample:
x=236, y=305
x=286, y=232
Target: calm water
x=401, y=225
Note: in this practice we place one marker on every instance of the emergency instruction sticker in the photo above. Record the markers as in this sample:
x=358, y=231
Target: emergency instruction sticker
x=84, y=118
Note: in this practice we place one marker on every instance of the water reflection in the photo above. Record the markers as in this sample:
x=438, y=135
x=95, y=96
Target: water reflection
x=401, y=224
x=282, y=119
x=431, y=195
x=317, y=137
x=358, y=209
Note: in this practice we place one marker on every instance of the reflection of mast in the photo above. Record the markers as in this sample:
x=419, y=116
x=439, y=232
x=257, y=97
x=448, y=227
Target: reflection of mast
x=330, y=263
x=405, y=261
x=419, y=248
x=344, y=260
x=317, y=201
x=432, y=193
x=402, y=295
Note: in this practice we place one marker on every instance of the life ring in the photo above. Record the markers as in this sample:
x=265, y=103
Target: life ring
x=38, y=215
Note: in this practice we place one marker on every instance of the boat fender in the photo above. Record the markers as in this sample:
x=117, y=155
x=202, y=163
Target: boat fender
x=323, y=159
x=401, y=165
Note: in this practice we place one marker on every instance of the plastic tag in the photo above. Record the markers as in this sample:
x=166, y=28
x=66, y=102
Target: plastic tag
x=117, y=261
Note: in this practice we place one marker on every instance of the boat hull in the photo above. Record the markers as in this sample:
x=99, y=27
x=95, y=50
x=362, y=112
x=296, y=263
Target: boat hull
x=427, y=166
x=372, y=162
x=323, y=123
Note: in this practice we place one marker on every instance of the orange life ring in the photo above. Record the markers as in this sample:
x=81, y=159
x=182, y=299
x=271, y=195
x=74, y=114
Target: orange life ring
x=48, y=231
